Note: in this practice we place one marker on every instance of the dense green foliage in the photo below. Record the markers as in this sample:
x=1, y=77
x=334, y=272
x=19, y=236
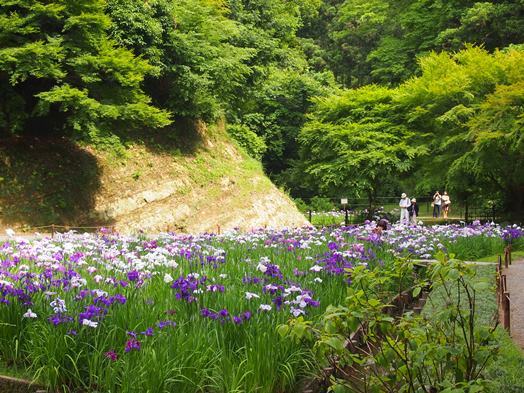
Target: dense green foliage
x=192, y=43
x=248, y=140
x=459, y=123
x=446, y=349
x=379, y=41
x=59, y=68
x=437, y=99
x=352, y=141
x=470, y=106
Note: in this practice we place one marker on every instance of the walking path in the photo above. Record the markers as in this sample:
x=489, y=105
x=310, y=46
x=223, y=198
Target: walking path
x=515, y=284
x=430, y=261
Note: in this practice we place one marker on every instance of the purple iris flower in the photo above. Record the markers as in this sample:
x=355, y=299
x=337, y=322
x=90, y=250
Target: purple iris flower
x=132, y=345
x=313, y=303
x=119, y=298
x=163, y=324
x=148, y=332
x=298, y=273
x=133, y=275
x=278, y=302
x=82, y=294
x=92, y=312
x=57, y=319
x=76, y=257
x=273, y=271
x=111, y=355
x=333, y=246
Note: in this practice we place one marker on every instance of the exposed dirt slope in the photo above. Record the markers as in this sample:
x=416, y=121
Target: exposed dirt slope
x=196, y=184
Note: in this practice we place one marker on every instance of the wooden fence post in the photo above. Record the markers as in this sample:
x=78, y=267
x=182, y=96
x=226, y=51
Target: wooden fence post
x=497, y=279
x=506, y=308
x=52, y=231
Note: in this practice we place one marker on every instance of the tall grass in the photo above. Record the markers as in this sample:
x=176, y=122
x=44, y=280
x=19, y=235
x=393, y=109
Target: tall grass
x=505, y=373
x=473, y=248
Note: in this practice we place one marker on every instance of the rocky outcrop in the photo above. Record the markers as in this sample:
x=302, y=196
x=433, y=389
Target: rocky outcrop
x=164, y=209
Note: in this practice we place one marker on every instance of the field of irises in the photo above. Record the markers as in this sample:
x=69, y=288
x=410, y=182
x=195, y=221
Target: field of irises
x=112, y=313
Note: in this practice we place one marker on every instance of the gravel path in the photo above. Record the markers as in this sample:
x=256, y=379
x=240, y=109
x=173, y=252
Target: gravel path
x=515, y=283
x=430, y=261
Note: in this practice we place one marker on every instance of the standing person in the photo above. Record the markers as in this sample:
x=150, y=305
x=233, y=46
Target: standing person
x=446, y=201
x=404, y=204
x=413, y=211
x=437, y=202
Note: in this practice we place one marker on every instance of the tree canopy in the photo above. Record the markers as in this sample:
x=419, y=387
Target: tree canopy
x=354, y=143
x=60, y=70
x=379, y=41
x=459, y=123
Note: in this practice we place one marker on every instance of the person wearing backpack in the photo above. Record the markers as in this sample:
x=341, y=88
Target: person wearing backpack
x=413, y=212
x=437, y=202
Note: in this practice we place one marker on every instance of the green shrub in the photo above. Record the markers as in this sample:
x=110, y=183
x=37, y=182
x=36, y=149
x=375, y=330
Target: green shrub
x=248, y=140
x=320, y=204
x=301, y=205
x=444, y=350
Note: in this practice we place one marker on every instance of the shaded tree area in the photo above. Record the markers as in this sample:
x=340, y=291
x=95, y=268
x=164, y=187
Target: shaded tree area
x=191, y=42
x=47, y=181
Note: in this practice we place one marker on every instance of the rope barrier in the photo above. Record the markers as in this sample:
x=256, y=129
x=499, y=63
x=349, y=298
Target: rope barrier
x=62, y=226
x=54, y=228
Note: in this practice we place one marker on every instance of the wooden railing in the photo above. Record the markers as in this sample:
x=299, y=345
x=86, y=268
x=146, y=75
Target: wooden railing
x=503, y=297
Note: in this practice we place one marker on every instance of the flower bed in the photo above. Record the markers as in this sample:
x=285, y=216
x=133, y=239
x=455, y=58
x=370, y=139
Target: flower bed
x=187, y=313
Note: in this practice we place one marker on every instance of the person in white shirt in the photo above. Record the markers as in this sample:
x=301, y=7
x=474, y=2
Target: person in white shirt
x=446, y=201
x=404, y=204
